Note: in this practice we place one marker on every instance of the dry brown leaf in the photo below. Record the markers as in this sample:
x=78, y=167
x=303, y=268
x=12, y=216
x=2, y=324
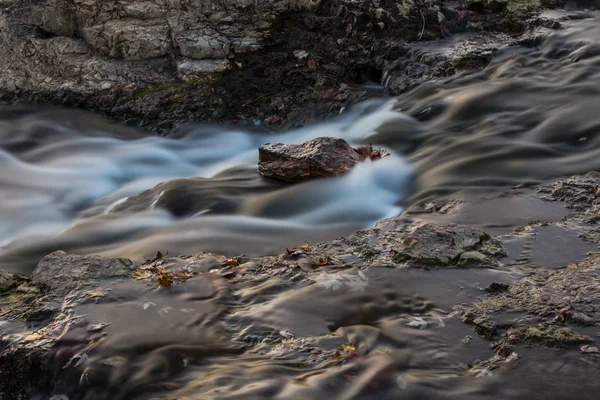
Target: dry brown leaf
x=232, y=262
x=183, y=276
x=141, y=274
x=348, y=347
x=95, y=293
x=324, y=261
x=165, y=280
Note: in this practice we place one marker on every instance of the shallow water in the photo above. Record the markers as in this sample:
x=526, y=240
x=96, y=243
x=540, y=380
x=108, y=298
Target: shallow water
x=73, y=182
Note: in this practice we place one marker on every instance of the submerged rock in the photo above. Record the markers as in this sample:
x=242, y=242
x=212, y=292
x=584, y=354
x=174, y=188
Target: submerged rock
x=60, y=271
x=401, y=243
x=546, y=335
x=320, y=157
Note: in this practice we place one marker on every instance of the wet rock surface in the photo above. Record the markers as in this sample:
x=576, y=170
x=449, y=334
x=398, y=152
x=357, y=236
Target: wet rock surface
x=401, y=243
x=320, y=157
x=60, y=271
x=159, y=64
x=6, y=281
x=334, y=294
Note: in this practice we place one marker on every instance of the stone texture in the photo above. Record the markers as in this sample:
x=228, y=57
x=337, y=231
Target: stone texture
x=6, y=281
x=401, y=243
x=320, y=157
x=60, y=271
x=127, y=36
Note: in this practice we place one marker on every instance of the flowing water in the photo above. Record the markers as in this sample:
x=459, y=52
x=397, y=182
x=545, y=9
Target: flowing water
x=73, y=182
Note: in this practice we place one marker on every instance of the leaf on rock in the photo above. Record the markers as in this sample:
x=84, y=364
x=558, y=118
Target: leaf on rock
x=232, y=262
x=165, y=280
x=348, y=348
x=182, y=276
x=141, y=274
x=305, y=246
x=367, y=152
x=94, y=293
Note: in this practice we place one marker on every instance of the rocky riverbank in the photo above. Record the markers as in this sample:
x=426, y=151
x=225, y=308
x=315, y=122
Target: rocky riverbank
x=58, y=332
x=158, y=64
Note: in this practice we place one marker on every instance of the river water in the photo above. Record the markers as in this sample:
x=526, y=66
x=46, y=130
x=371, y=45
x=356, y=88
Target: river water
x=71, y=181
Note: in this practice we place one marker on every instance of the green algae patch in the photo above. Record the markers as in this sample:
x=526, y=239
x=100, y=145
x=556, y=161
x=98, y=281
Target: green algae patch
x=17, y=297
x=547, y=335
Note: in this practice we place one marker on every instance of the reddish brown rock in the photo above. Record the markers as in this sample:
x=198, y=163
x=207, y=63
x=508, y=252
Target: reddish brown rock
x=316, y=158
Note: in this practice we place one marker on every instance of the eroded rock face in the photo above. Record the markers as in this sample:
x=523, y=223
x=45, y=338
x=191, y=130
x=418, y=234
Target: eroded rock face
x=93, y=44
x=60, y=271
x=316, y=158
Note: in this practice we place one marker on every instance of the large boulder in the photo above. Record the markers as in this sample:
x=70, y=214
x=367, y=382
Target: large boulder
x=316, y=158
x=60, y=271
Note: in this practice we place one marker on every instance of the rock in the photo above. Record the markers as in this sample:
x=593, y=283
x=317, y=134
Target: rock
x=496, y=287
x=252, y=50
x=6, y=281
x=577, y=192
x=320, y=157
x=437, y=245
x=22, y=371
x=60, y=271
x=547, y=335
x=401, y=243
x=485, y=327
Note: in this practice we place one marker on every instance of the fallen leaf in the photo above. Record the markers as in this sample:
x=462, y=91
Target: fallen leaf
x=572, y=266
x=94, y=293
x=183, y=276
x=141, y=274
x=367, y=152
x=165, y=280
x=305, y=246
x=324, y=261
x=348, y=347
x=232, y=262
